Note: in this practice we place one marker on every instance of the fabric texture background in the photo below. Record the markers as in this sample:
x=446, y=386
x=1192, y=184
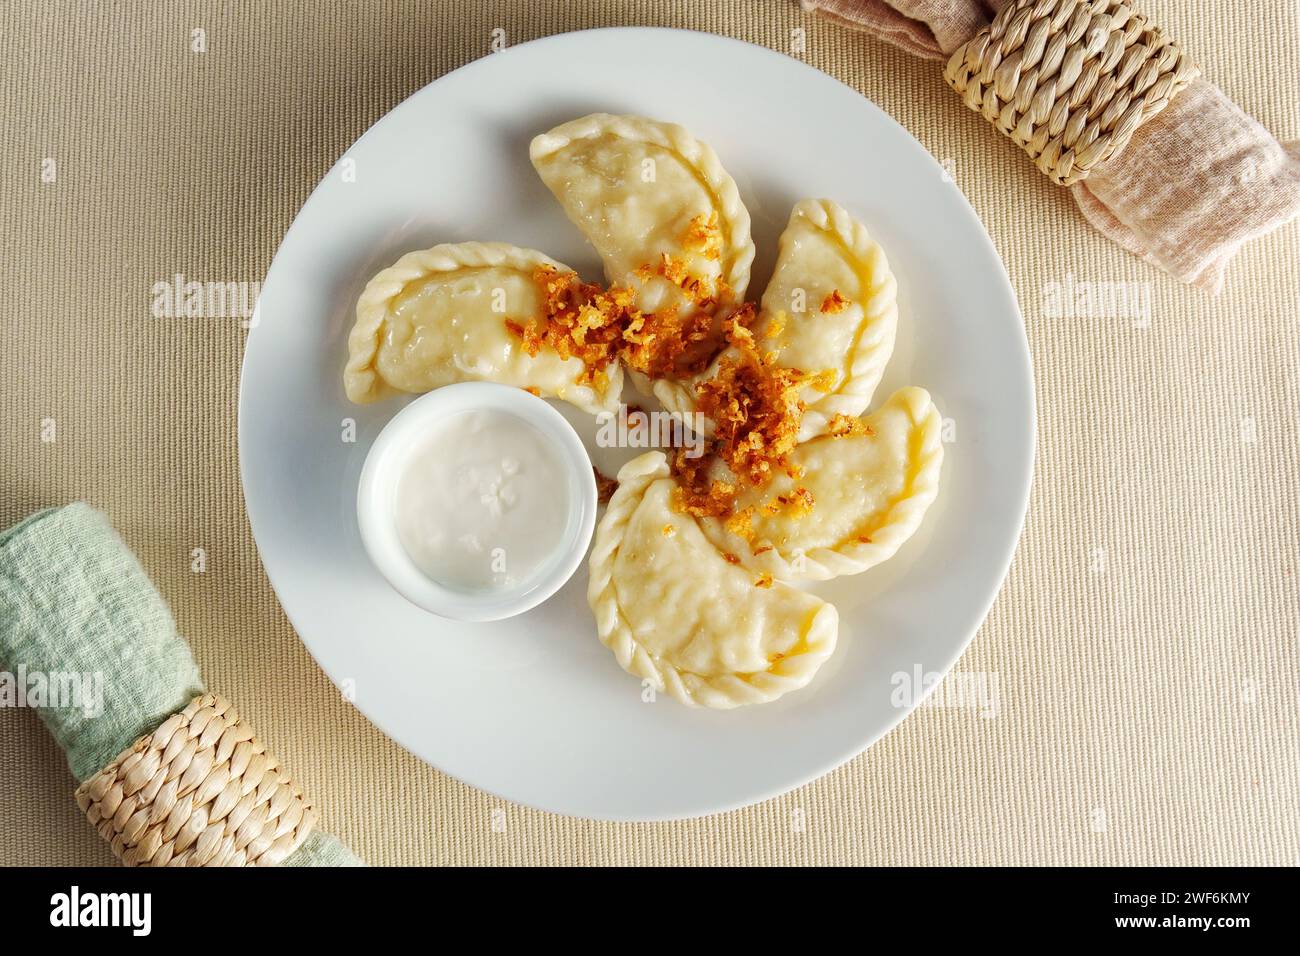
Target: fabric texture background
x=1144, y=646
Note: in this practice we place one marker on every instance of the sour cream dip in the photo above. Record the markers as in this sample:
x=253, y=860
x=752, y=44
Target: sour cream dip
x=477, y=501
x=483, y=501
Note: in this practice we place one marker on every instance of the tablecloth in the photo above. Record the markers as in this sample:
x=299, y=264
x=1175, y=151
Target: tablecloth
x=1142, y=655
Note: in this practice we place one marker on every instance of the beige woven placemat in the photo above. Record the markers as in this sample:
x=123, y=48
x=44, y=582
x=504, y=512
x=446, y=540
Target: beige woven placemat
x=1144, y=650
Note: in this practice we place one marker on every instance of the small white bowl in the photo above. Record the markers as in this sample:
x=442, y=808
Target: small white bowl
x=377, y=497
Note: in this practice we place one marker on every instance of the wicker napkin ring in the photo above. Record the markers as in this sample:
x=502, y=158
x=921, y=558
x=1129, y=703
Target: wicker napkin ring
x=201, y=790
x=1069, y=80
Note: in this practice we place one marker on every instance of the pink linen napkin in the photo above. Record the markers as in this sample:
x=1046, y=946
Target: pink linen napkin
x=1194, y=184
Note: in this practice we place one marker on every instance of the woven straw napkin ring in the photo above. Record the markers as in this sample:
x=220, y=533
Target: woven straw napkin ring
x=201, y=790
x=1069, y=80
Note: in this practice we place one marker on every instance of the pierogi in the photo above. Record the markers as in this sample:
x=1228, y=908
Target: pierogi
x=663, y=215
x=830, y=309
x=440, y=316
x=677, y=613
x=857, y=499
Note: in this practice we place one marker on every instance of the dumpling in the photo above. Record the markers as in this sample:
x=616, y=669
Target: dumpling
x=664, y=216
x=830, y=310
x=440, y=315
x=640, y=190
x=859, y=497
x=676, y=612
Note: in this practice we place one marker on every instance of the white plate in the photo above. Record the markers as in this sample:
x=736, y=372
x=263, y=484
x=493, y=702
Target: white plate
x=534, y=709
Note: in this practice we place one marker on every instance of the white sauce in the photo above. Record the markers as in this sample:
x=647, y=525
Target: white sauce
x=483, y=502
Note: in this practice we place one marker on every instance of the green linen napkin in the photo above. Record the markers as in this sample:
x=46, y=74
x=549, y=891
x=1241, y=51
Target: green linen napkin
x=74, y=602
